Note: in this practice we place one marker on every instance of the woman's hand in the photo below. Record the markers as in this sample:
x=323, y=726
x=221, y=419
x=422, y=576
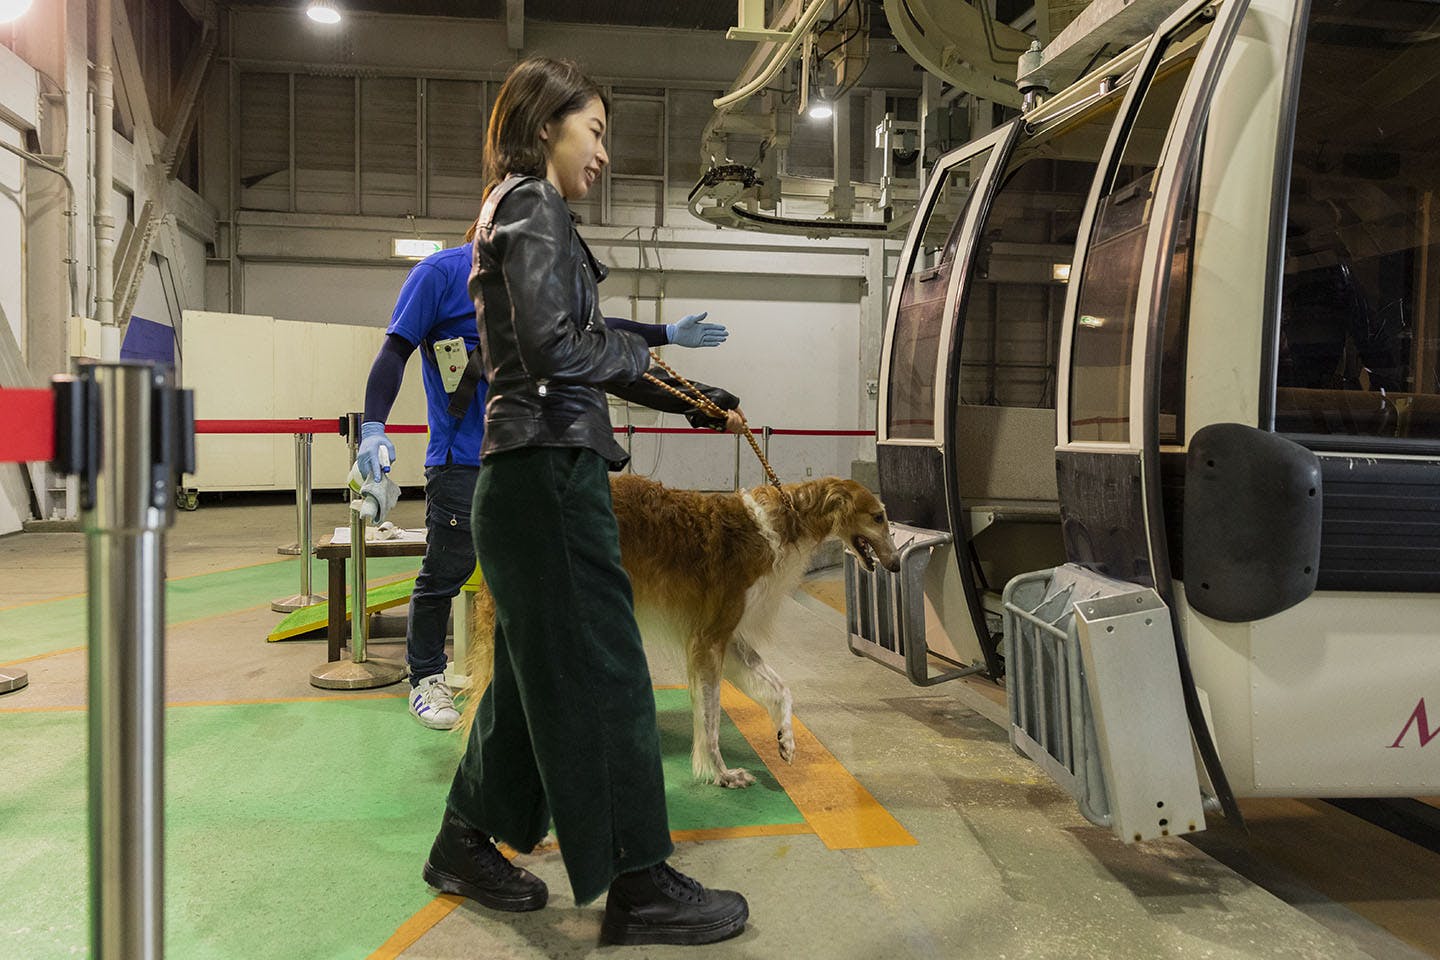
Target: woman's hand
x=734, y=421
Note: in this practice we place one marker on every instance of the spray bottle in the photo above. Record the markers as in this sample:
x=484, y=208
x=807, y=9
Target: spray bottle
x=364, y=502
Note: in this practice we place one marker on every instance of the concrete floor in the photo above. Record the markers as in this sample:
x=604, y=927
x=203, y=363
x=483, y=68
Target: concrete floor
x=1004, y=868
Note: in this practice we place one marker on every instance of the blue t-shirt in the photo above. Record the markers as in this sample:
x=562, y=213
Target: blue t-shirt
x=435, y=304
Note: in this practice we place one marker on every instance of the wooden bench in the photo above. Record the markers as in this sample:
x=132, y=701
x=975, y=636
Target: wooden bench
x=337, y=555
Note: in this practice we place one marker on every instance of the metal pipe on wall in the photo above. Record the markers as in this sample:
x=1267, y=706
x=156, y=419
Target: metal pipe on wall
x=104, y=184
x=70, y=212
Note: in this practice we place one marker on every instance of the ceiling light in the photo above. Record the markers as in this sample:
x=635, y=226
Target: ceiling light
x=13, y=9
x=1092, y=322
x=1060, y=272
x=821, y=110
x=323, y=11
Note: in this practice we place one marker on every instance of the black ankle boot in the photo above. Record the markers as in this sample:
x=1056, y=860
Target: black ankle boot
x=465, y=861
x=662, y=905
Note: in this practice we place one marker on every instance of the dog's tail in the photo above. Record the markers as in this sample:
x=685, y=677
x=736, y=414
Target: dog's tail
x=480, y=657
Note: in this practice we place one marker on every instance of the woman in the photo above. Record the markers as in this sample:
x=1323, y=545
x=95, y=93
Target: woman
x=567, y=728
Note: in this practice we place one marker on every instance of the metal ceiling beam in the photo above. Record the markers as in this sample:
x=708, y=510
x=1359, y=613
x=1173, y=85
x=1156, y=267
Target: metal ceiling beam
x=961, y=44
x=1104, y=22
x=180, y=115
x=515, y=24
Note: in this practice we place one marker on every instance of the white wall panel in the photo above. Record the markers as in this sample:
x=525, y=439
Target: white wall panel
x=324, y=293
x=258, y=367
x=792, y=358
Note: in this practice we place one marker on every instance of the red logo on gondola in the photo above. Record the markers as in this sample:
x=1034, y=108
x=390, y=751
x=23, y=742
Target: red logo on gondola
x=1421, y=723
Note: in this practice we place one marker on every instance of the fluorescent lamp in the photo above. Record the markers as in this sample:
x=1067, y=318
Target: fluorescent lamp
x=13, y=9
x=820, y=110
x=1060, y=272
x=413, y=248
x=322, y=11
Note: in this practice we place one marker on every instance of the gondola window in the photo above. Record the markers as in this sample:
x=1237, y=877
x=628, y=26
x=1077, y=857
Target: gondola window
x=915, y=351
x=1359, y=328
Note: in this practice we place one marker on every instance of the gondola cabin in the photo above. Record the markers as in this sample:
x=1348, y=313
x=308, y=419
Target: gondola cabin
x=1159, y=417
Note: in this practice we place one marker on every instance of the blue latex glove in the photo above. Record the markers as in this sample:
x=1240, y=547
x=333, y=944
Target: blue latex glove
x=372, y=441
x=690, y=332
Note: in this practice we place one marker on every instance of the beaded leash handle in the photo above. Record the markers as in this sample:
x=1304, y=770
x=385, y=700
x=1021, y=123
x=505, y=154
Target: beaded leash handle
x=711, y=407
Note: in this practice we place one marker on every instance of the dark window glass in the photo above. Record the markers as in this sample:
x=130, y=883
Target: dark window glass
x=1360, y=297
x=1016, y=300
x=1105, y=316
x=915, y=348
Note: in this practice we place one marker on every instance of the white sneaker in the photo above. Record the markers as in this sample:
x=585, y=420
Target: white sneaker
x=432, y=703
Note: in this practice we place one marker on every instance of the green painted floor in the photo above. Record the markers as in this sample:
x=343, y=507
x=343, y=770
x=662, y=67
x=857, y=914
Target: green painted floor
x=280, y=818
x=40, y=628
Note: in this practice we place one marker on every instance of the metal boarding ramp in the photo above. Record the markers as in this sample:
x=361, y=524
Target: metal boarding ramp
x=1095, y=699
x=885, y=612
x=1092, y=681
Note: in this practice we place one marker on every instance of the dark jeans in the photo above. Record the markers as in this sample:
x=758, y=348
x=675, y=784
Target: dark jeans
x=566, y=728
x=449, y=562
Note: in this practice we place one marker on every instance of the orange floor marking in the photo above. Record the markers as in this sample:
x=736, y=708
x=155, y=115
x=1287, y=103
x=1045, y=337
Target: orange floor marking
x=843, y=814
x=41, y=656
x=417, y=926
x=732, y=833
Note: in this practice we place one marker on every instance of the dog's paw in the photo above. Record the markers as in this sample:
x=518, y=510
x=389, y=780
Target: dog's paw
x=786, y=741
x=736, y=779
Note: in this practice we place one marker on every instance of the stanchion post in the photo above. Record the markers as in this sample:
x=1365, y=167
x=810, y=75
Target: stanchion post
x=127, y=432
x=352, y=434
x=737, y=463
x=305, y=545
x=765, y=441
x=359, y=622
x=629, y=446
x=359, y=672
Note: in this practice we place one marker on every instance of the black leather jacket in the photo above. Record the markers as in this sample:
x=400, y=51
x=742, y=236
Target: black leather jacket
x=549, y=357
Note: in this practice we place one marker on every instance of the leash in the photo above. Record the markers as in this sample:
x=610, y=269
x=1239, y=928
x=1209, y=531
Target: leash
x=711, y=407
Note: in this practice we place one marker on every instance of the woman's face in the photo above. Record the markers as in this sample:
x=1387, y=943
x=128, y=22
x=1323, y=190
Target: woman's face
x=575, y=150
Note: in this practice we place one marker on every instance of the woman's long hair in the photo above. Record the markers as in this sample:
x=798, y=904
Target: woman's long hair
x=537, y=91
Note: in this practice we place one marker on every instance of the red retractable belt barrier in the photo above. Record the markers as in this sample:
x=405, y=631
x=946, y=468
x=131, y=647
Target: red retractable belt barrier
x=777, y=432
x=27, y=425
x=774, y=432
x=319, y=425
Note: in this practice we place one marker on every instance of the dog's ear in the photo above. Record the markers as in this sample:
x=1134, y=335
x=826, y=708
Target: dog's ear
x=837, y=498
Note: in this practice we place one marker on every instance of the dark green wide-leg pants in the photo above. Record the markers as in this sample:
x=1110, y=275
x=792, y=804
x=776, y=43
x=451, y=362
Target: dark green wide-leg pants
x=567, y=727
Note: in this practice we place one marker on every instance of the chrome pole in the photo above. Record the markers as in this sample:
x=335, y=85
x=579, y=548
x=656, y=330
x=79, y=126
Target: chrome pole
x=130, y=506
x=737, y=462
x=359, y=672
x=765, y=441
x=293, y=550
x=359, y=618
x=304, y=543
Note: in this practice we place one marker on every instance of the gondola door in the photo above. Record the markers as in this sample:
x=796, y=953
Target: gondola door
x=916, y=359
x=1119, y=398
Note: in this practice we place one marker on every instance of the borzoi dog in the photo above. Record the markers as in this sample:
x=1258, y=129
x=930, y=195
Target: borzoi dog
x=709, y=571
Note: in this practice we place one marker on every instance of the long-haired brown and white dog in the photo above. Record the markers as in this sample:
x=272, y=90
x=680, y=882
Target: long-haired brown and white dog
x=709, y=571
